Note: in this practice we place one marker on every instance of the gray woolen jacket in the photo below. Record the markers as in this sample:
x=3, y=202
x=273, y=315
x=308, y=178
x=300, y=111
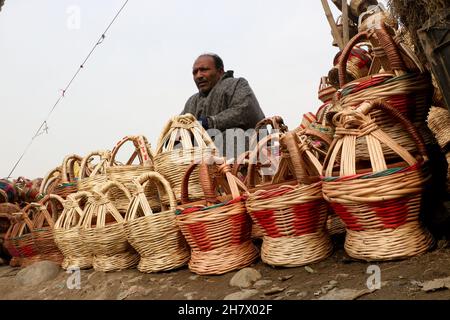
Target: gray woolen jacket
x=230, y=104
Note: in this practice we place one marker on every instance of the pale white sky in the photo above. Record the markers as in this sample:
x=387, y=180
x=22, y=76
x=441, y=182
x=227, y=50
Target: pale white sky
x=140, y=75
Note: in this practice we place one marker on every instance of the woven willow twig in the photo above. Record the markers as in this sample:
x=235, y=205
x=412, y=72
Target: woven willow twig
x=218, y=233
x=376, y=205
x=155, y=236
x=106, y=238
x=91, y=176
x=292, y=216
x=67, y=232
x=182, y=141
x=126, y=173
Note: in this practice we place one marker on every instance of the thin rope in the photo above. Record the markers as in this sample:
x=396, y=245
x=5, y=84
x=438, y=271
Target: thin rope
x=64, y=91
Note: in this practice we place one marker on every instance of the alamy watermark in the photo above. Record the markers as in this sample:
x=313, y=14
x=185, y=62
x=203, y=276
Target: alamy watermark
x=74, y=280
x=374, y=280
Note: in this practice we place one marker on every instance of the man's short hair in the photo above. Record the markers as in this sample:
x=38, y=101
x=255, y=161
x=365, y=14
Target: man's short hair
x=217, y=60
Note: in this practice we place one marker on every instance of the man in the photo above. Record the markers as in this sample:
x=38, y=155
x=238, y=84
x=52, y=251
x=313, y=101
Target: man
x=223, y=102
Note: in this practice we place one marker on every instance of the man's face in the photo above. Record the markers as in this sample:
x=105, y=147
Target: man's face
x=205, y=74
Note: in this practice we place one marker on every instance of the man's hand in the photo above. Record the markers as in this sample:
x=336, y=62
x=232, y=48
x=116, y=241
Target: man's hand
x=204, y=122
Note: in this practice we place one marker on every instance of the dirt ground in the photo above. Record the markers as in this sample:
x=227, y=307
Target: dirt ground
x=400, y=280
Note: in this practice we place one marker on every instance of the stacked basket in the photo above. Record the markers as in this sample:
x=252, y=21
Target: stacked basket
x=379, y=201
x=103, y=231
x=182, y=141
x=218, y=229
x=293, y=218
x=67, y=231
x=126, y=173
x=155, y=234
x=68, y=183
x=91, y=175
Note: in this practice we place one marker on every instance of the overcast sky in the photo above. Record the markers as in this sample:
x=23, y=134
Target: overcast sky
x=140, y=75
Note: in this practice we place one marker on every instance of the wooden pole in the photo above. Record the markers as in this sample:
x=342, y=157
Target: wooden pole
x=334, y=30
x=345, y=21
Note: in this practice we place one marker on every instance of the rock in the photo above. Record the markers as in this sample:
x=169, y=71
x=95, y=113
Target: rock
x=262, y=283
x=344, y=294
x=274, y=290
x=194, y=277
x=416, y=283
x=342, y=275
x=37, y=273
x=436, y=284
x=284, y=278
x=278, y=298
x=333, y=283
x=136, y=279
x=133, y=290
x=245, y=278
x=242, y=295
x=302, y=294
x=290, y=292
x=190, y=295
x=309, y=269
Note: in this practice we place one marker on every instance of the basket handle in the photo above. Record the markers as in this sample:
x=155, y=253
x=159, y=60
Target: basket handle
x=276, y=122
x=25, y=216
x=158, y=180
x=104, y=161
x=387, y=44
x=251, y=173
x=67, y=167
x=43, y=206
x=317, y=134
x=208, y=184
x=184, y=123
x=142, y=150
x=366, y=107
x=48, y=178
x=110, y=184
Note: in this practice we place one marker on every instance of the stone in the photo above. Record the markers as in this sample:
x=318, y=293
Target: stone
x=190, y=295
x=344, y=294
x=436, y=284
x=284, y=278
x=274, y=290
x=262, y=283
x=309, y=269
x=194, y=277
x=302, y=294
x=290, y=292
x=342, y=275
x=131, y=291
x=37, y=273
x=245, y=278
x=242, y=295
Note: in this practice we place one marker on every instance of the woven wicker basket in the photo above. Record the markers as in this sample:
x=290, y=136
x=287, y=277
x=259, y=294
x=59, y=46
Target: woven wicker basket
x=105, y=236
x=68, y=183
x=66, y=231
x=293, y=217
x=126, y=173
x=379, y=205
x=48, y=211
x=10, y=243
x=50, y=181
x=182, y=141
x=217, y=229
x=91, y=175
x=155, y=235
x=407, y=91
x=24, y=241
x=258, y=166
